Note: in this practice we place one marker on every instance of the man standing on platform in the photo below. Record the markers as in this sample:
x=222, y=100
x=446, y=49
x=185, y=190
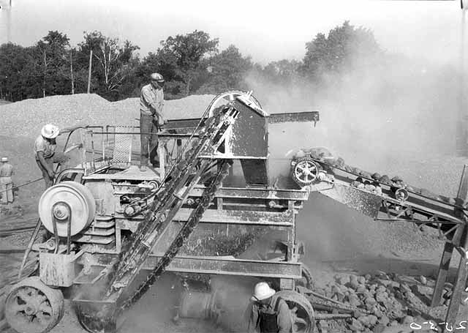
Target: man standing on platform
x=151, y=119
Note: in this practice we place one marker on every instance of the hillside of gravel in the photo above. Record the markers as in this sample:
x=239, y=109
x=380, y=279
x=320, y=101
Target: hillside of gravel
x=26, y=118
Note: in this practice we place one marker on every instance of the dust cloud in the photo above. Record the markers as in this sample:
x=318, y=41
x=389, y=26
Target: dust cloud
x=388, y=118
x=395, y=116
x=398, y=106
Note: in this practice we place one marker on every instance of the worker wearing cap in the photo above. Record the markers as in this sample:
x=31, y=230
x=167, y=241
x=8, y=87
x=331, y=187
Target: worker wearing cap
x=270, y=313
x=46, y=155
x=6, y=182
x=151, y=118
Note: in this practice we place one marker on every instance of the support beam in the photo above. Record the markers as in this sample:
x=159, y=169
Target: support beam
x=458, y=289
x=444, y=266
x=442, y=274
x=460, y=283
x=230, y=266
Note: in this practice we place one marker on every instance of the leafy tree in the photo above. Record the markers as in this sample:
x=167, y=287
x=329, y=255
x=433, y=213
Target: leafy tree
x=226, y=71
x=282, y=72
x=180, y=60
x=345, y=47
x=19, y=73
x=52, y=54
x=112, y=62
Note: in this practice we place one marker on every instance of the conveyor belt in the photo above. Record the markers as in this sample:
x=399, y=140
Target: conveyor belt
x=416, y=208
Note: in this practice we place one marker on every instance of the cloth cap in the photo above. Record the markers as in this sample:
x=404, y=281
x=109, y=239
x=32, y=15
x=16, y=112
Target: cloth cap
x=50, y=131
x=157, y=77
x=262, y=291
x=4, y=159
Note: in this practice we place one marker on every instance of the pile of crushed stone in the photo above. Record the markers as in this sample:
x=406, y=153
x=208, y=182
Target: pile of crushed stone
x=379, y=301
x=27, y=117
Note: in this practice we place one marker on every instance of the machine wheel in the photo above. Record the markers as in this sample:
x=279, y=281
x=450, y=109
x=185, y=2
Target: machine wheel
x=78, y=198
x=401, y=194
x=32, y=307
x=305, y=171
x=227, y=97
x=302, y=313
x=306, y=281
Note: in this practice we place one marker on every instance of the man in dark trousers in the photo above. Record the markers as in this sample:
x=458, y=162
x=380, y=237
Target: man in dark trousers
x=151, y=119
x=270, y=313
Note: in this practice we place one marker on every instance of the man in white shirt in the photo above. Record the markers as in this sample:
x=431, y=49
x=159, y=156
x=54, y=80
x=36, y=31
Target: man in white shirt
x=6, y=182
x=151, y=118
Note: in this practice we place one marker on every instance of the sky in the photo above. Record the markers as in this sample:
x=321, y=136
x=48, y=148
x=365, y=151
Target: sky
x=265, y=30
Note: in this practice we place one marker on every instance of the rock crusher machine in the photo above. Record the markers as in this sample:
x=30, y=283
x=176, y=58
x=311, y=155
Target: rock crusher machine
x=106, y=220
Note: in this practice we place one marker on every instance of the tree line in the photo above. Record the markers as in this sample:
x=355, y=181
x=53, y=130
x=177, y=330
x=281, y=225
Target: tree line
x=191, y=64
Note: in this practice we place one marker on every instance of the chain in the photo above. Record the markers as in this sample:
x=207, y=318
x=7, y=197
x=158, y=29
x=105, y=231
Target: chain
x=184, y=177
x=132, y=250
x=182, y=236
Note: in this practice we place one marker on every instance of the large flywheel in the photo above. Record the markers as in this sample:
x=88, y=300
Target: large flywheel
x=33, y=307
x=302, y=313
x=65, y=202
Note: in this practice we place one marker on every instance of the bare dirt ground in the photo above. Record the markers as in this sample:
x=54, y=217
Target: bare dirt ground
x=340, y=243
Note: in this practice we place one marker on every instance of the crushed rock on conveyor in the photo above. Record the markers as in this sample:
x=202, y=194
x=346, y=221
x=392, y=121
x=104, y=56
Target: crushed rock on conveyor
x=371, y=181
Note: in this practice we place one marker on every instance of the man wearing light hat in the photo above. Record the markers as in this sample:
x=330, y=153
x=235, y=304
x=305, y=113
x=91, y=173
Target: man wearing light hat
x=45, y=154
x=151, y=118
x=6, y=183
x=270, y=313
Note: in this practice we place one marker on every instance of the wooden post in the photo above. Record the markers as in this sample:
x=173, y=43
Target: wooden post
x=462, y=273
x=89, y=72
x=162, y=160
x=45, y=73
x=455, y=300
x=71, y=73
x=444, y=266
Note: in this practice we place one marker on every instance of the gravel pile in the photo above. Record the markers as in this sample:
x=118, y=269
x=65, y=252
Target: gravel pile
x=385, y=300
x=27, y=117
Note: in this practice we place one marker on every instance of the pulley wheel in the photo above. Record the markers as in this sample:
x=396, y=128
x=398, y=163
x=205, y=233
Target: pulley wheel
x=33, y=307
x=401, y=194
x=63, y=200
x=302, y=313
x=305, y=171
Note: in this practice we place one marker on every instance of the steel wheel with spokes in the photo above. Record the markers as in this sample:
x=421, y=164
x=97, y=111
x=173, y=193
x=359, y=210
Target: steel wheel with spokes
x=305, y=171
x=302, y=313
x=33, y=307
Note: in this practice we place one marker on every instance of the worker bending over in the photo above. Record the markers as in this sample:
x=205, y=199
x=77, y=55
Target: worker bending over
x=270, y=313
x=45, y=154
